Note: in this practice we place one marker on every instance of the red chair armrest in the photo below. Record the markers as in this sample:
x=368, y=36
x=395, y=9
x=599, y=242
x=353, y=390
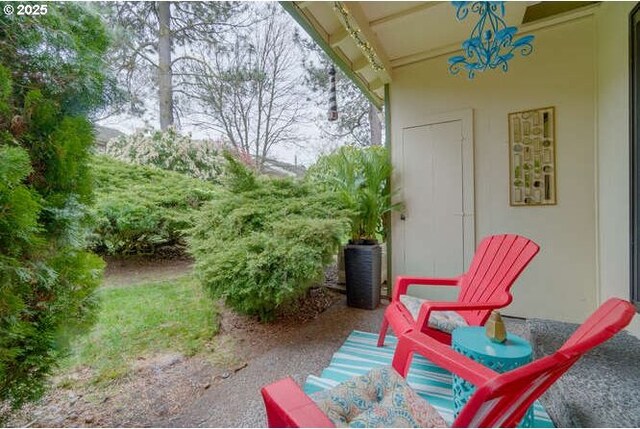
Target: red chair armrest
x=440, y=354
x=427, y=307
x=289, y=407
x=403, y=283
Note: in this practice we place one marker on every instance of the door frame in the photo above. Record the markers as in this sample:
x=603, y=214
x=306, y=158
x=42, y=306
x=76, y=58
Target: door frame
x=634, y=158
x=465, y=116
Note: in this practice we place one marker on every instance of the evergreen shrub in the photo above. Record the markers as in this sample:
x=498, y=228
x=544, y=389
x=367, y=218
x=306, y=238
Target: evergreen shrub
x=51, y=79
x=264, y=241
x=143, y=210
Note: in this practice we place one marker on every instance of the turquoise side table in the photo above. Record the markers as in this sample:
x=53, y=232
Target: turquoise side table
x=500, y=357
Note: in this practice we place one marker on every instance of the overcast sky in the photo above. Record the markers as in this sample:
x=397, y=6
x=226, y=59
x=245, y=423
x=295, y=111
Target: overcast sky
x=306, y=151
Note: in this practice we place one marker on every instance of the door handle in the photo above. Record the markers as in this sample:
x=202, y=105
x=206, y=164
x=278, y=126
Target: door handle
x=403, y=216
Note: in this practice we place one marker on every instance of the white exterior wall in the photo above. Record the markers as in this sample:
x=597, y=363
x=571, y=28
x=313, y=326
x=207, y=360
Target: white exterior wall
x=561, y=282
x=613, y=150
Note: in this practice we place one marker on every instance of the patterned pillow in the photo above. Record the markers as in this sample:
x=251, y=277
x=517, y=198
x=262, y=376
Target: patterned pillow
x=380, y=398
x=445, y=321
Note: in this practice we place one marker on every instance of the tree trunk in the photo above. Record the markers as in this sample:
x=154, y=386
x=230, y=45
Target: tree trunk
x=165, y=85
x=375, y=125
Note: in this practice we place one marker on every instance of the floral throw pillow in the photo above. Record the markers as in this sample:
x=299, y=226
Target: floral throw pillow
x=380, y=398
x=445, y=321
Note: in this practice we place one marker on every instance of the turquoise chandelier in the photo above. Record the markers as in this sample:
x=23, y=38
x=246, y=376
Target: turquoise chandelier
x=492, y=44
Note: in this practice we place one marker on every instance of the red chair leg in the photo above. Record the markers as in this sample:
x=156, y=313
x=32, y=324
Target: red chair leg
x=287, y=406
x=402, y=357
x=383, y=331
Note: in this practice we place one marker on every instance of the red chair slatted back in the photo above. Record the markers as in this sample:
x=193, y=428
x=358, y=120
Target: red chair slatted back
x=496, y=265
x=611, y=317
x=503, y=401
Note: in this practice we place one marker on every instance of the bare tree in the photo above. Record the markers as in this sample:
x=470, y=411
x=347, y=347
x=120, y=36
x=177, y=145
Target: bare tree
x=154, y=38
x=249, y=90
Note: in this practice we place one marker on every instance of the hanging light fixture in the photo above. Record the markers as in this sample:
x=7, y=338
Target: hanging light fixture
x=332, y=115
x=492, y=44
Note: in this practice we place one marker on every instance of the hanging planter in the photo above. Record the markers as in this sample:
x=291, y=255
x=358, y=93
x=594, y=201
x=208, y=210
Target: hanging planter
x=332, y=114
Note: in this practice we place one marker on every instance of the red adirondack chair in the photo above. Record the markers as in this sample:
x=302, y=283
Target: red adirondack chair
x=496, y=265
x=500, y=400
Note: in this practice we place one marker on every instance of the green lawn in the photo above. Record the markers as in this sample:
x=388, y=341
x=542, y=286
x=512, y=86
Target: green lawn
x=143, y=319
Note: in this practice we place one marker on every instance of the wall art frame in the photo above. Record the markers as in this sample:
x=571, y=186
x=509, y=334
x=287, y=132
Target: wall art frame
x=532, y=158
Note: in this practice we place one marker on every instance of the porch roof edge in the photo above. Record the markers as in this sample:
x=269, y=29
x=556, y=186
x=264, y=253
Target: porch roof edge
x=296, y=13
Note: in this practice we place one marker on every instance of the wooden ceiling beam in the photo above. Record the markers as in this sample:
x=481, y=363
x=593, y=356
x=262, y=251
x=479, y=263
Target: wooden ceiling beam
x=339, y=37
x=524, y=29
x=402, y=14
x=376, y=85
x=308, y=22
x=303, y=4
x=358, y=17
x=360, y=64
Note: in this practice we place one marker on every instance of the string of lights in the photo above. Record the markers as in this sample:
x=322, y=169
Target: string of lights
x=356, y=35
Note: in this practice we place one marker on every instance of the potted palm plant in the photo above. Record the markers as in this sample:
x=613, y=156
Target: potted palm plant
x=360, y=177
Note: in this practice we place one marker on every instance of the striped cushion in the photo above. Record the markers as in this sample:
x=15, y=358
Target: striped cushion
x=445, y=321
x=380, y=398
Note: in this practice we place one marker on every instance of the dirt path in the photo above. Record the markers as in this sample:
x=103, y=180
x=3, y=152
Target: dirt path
x=295, y=351
x=218, y=388
x=127, y=271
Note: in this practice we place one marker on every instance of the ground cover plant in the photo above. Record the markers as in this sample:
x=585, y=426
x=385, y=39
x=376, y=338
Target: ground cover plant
x=139, y=320
x=265, y=241
x=52, y=78
x=143, y=210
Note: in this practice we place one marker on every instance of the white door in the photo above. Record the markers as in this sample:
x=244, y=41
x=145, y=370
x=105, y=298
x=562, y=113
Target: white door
x=436, y=170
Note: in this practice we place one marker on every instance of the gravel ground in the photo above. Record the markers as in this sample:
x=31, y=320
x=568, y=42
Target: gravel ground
x=601, y=389
x=307, y=349
x=218, y=388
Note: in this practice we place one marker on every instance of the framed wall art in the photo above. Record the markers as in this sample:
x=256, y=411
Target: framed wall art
x=532, y=158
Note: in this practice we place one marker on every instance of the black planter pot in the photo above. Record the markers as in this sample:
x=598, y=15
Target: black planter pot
x=362, y=265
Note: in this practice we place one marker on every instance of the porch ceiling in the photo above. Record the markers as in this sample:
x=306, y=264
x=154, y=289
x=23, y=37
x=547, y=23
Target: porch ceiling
x=368, y=39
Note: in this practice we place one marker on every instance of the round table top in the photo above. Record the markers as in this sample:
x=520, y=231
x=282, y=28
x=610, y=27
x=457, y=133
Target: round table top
x=475, y=340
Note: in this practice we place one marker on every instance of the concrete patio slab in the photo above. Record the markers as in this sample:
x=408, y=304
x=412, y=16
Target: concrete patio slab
x=601, y=389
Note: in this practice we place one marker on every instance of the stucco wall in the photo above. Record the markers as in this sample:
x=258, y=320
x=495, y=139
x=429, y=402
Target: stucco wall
x=561, y=283
x=613, y=150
